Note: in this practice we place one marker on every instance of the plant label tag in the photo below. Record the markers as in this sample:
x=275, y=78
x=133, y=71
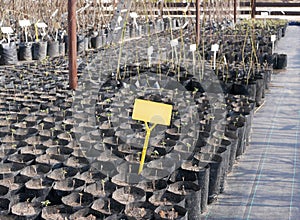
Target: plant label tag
x=54, y=13
x=152, y=112
x=225, y=60
x=24, y=23
x=150, y=51
x=133, y=15
x=41, y=25
x=215, y=47
x=273, y=38
x=264, y=14
x=174, y=43
x=120, y=19
x=7, y=30
x=193, y=47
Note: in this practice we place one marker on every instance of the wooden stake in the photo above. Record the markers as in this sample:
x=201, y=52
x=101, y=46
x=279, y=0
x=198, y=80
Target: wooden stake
x=253, y=8
x=198, y=13
x=72, y=44
x=234, y=11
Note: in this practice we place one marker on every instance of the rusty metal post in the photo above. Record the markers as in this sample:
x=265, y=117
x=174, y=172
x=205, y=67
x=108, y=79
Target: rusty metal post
x=72, y=44
x=234, y=11
x=253, y=9
x=198, y=13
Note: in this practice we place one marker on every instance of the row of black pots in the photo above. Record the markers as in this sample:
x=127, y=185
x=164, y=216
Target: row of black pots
x=11, y=53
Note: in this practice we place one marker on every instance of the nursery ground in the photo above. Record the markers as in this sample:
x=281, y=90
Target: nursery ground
x=265, y=182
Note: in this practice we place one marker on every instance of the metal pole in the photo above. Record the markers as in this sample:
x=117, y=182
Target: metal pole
x=253, y=8
x=234, y=11
x=72, y=44
x=198, y=12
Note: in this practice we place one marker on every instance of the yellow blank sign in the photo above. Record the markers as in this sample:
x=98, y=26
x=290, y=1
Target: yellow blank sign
x=153, y=112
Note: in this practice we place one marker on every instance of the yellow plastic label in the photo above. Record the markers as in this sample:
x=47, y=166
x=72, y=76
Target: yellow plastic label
x=152, y=112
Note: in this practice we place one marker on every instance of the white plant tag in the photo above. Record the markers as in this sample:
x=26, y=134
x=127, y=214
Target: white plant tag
x=264, y=14
x=41, y=25
x=7, y=30
x=133, y=15
x=215, y=47
x=273, y=38
x=120, y=20
x=174, y=43
x=225, y=60
x=24, y=23
x=54, y=13
x=150, y=51
x=193, y=47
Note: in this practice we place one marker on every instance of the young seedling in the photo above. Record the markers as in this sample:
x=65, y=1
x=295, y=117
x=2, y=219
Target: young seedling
x=13, y=131
x=80, y=198
x=189, y=146
x=109, y=118
x=45, y=203
x=155, y=153
x=195, y=91
x=42, y=126
x=103, y=185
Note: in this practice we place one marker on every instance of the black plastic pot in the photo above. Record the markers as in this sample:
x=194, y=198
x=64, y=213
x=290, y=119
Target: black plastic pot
x=163, y=197
x=8, y=54
x=101, y=188
x=233, y=137
x=53, y=49
x=36, y=170
x=107, y=206
x=39, y=50
x=280, y=61
x=260, y=87
x=78, y=200
x=25, y=51
x=224, y=152
x=197, y=172
x=128, y=194
x=66, y=186
x=21, y=158
x=151, y=186
x=29, y=210
x=245, y=88
x=62, y=49
x=139, y=210
x=56, y=212
x=80, y=44
x=97, y=42
x=86, y=213
x=55, y=161
x=192, y=192
x=62, y=173
x=170, y=212
x=237, y=123
x=39, y=187
x=4, y=206
x=215, y=174
x=80, y=163
x=3, y=190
